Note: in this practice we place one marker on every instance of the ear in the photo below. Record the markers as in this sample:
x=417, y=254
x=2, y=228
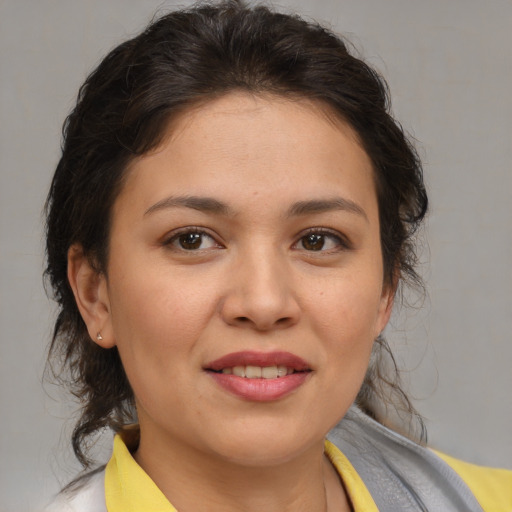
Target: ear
x=387, y=300
x=91, y=295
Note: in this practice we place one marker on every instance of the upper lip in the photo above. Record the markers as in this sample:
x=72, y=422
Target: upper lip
x=254, y=358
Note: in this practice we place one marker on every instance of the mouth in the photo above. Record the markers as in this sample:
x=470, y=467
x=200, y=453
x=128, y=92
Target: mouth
x=258, y=365
x=257, y=376
x=258, y=372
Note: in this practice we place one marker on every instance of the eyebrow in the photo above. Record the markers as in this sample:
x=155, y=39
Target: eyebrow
x=325, y=205
x=203, y=204
x=211, y=205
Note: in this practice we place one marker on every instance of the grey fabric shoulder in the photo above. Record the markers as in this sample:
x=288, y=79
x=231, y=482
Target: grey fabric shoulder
x=400, y=474
x=87, y=496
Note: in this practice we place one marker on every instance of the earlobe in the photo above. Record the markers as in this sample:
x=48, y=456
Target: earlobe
x=91, y=295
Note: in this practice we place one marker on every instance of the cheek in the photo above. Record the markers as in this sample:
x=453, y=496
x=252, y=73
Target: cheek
x=348, y=305
x=345, y=316
x=157, y=323
x=156, y=319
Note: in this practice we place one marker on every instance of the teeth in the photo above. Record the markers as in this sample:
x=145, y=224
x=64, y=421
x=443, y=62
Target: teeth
x=239, y=371
x=258, y=372
x=282, y=371
x=270, y=372
x=253, y=372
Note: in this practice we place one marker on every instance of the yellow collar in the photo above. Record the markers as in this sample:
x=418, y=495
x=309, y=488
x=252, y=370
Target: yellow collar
x=359, y=495
x=129, y=489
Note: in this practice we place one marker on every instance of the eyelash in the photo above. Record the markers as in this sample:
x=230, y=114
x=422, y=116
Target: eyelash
x=341, y=242
x=192, y=230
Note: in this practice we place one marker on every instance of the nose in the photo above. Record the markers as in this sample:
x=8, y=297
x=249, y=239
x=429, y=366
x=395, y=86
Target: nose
x=261, y=295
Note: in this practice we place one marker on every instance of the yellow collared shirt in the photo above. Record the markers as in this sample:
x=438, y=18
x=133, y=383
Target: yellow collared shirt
x=129, y=489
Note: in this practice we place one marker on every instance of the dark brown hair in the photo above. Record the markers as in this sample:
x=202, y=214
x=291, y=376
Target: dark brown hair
x=122, y=110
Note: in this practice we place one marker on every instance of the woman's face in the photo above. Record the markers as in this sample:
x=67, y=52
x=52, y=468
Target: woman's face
x=246, y=244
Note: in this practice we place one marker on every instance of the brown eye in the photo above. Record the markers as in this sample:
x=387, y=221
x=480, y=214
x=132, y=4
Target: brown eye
x=321, y=241
x=313, y=242
x=192, y=241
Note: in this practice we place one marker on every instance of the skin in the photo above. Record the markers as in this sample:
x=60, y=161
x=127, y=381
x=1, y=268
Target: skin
x=253, y=283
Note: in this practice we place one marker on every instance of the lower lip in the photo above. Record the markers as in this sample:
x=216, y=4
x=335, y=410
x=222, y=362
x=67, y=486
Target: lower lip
x=260, y=390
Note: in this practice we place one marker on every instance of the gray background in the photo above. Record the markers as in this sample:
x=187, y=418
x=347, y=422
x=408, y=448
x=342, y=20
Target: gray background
x=449, y=66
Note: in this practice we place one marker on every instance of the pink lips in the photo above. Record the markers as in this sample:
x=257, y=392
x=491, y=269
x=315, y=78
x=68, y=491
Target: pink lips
x=259, y=389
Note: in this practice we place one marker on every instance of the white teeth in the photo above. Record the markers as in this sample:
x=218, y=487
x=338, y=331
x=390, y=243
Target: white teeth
x=258, y=372
x=253, y=372
x=282, y=371
x=270, y=372
x=239, y=371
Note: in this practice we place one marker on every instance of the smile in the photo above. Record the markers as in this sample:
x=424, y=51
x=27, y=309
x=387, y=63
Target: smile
x=259, y=377
x=259, y=372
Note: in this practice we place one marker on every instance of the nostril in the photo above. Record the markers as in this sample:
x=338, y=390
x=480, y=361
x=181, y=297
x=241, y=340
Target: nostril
x=244, y=320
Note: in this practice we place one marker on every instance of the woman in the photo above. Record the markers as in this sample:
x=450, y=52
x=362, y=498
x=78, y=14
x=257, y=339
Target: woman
x=228, y=225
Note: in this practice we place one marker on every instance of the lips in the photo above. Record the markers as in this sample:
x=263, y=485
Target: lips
x=257, y=376
x=260, y=359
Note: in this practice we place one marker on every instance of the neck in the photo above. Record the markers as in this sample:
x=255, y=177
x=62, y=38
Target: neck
x=306, y=483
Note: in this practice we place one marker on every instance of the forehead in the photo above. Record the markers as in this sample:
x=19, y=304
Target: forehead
x=243, y=144
x=250, y=110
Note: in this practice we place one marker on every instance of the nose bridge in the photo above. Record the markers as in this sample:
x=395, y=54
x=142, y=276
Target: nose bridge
x=265, y=274
x=261, y=293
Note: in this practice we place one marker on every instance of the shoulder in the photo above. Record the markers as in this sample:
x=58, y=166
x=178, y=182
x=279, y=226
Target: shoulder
x=86, y=495
x=491, y=487
x=415, y=477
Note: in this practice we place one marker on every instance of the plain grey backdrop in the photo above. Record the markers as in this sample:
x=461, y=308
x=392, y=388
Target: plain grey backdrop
x=449, y=66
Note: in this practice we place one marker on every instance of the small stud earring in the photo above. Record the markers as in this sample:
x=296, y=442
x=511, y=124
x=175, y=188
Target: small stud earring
x=99, y=337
